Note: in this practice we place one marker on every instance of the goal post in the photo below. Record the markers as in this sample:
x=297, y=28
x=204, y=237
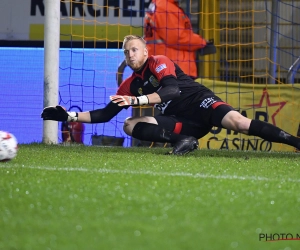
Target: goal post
x=51, y=65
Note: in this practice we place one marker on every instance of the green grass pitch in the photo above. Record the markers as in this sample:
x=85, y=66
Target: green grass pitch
x=86, y=198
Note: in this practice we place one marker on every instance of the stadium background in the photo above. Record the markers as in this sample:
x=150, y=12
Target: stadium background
x=257, y=43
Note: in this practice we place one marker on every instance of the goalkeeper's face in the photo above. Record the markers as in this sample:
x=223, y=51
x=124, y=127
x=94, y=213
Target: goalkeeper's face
x=136, y=54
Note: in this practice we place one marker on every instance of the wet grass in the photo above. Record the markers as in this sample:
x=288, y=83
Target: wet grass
x=78, y=197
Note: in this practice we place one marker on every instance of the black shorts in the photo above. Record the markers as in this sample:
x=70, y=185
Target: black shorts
x=180, y=125
x=207, y=113
x=210, y=111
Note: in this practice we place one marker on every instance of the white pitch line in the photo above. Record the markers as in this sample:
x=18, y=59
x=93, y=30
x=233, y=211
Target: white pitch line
x=153, y=173
x=148, y=172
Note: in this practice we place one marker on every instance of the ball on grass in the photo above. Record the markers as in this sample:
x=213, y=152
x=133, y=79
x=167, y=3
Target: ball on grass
x=8, y=146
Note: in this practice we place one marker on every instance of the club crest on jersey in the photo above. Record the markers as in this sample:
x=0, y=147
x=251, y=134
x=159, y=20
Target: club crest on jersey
x=160, y=67
x=140, y=91
x=153, y=81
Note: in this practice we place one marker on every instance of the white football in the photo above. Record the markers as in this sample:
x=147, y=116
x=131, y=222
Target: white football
x=8, y=146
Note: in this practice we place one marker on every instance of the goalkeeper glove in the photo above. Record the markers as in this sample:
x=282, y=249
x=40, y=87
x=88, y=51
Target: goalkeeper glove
x=58, y=113
x=124, y=100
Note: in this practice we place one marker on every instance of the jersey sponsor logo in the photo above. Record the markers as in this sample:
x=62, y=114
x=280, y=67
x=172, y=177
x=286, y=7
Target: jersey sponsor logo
x=154, y=81
x=207, y=102
x=140, y=91
x=160, y=67
x=162, y=106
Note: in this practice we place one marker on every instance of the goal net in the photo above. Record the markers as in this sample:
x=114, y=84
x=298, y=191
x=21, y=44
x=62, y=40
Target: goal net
x=254, y=69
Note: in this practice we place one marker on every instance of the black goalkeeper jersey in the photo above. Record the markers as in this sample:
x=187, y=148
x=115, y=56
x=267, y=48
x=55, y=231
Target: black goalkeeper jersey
x=151, y=78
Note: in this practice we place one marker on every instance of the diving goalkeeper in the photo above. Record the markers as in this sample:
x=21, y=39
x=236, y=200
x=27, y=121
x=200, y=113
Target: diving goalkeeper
x=188, y=109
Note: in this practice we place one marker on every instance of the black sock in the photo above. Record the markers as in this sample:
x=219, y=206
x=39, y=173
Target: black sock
x=272, y=133
x=151, y=132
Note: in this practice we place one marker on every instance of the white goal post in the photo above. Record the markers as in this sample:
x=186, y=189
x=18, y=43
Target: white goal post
x=51, y=65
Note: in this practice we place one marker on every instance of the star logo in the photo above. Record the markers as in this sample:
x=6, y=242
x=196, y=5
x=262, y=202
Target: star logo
x=266, y=96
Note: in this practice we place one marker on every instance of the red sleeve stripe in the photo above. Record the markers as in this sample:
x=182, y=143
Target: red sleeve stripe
x=178, y=127
x=217, y=104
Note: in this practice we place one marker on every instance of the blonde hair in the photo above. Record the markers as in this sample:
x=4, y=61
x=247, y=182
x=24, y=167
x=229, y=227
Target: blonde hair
x=132, y=37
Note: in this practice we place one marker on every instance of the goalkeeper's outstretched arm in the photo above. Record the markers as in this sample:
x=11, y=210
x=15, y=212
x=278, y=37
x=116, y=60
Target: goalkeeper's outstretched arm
x=58, y=113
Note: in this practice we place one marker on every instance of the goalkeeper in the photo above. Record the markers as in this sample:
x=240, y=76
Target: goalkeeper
x=188, y=109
